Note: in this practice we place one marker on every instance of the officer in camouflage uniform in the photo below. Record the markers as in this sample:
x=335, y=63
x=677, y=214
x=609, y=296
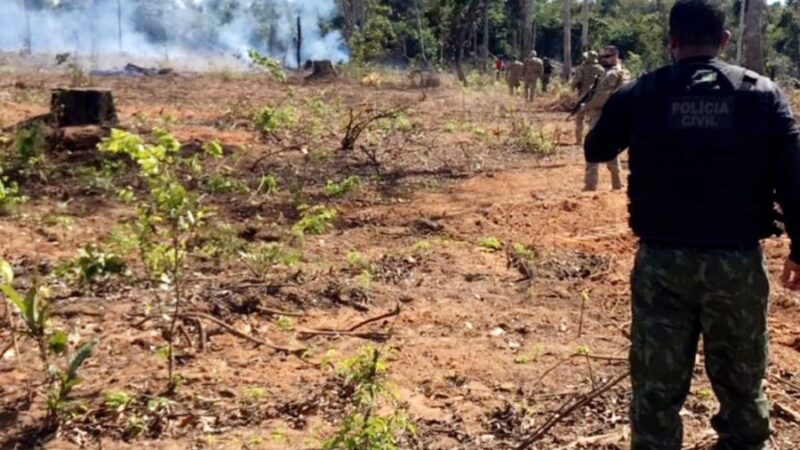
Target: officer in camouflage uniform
x=533, y=71
x=712, y=147
x=585, y=76
x=514, y=75
x=611, y=80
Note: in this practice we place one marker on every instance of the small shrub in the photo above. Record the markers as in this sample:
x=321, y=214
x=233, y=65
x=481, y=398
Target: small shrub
x=10, y=197
x=66, y=380
x=491, y=243
x=260, y=258
x=524, y=251
x=422, y=246
x=29, y=148
x=285, y=323
x=220, y=184
x=356, y=260
x=268, y=185
x=530, y=140
x=94, y=264
x=314, y=220
x=271, y=119
x=347, y=186
x=366, y=376
x=270, y=65
x=117, y=400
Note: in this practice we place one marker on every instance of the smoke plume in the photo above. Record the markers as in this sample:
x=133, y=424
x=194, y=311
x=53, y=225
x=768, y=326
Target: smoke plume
x=176, y=29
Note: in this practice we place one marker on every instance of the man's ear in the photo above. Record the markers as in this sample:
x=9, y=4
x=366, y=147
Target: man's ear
x=673, y=42
x=726, y=39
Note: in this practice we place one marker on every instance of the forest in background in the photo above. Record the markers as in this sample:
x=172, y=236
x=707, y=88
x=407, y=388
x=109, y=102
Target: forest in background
x=446, y=32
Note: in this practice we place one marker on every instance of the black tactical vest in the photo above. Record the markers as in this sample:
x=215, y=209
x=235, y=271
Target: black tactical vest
x=699, y=159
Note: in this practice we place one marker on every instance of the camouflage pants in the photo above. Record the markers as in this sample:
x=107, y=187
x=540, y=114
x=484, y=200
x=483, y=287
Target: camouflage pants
x=530, y=90
x=592, y=175
x=580, y=119
x=679, y=295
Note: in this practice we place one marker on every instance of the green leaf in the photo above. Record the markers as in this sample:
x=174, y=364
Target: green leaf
x=7, y=272
x=79, y=357
x=58, y=342
x=14, y=297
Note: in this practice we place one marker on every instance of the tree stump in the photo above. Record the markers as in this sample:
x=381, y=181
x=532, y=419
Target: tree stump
x=83, y=106
x=322, y=70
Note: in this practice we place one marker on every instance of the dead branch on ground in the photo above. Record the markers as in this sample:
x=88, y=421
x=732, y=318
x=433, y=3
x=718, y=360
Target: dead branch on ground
x=371, y=335
x=569, y=407
x=245, y=336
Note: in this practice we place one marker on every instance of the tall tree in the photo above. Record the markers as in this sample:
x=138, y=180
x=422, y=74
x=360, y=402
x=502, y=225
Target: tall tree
x=740, y=34
x=526, y=6
x=463, y=18
x=567, y=40
x=585, y=25
x=753, y=36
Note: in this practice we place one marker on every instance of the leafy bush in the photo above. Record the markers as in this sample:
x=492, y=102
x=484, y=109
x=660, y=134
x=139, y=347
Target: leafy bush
x=530, y=140
x=272, y=66
x=268, y=185
x=271, y=119
x=220, y=184
x=93, y=264
x=29, y=147
x=366, y=377
x=491, y=243
x=260, y=258
x=347, y=186
x=314, y=220
x=10, y=197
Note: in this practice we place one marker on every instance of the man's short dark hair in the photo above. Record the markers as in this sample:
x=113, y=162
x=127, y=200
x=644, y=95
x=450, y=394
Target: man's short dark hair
x=697, y=22
x=611, y=50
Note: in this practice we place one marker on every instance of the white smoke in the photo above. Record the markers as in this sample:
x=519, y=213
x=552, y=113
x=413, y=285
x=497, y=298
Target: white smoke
x=172, y=28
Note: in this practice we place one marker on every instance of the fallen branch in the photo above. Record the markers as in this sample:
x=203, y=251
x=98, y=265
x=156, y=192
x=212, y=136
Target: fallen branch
x=8, y=347
x=276, y=312
x=298, y=147
x=392, y=313
x=569, y=407
x=784, y=411
x=245, y=336
x=372, y=335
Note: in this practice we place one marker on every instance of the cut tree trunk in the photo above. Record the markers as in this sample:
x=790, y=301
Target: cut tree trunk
x=76, y=106
x=322, y=70
x=754, y=37
x=567, y=72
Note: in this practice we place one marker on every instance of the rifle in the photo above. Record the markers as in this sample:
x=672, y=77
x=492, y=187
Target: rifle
x=586, y=97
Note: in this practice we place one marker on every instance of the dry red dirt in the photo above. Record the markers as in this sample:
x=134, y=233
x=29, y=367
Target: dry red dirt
x=473, y=349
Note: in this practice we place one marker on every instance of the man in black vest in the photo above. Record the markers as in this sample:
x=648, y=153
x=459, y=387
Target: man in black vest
x=711, y=147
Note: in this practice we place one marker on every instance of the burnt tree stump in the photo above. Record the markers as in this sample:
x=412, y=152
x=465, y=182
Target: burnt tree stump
x=322, y=70
x=82, y=106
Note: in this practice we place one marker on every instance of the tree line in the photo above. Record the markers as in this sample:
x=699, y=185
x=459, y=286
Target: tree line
x=766, y=38
x=469, y=33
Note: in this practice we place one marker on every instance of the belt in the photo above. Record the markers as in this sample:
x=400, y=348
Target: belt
x=726, y=246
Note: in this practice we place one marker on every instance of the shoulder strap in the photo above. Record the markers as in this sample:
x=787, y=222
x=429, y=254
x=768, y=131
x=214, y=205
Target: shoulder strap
x=749, y=80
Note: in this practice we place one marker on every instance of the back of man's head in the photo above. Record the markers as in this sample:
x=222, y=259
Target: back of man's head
x=697, y=23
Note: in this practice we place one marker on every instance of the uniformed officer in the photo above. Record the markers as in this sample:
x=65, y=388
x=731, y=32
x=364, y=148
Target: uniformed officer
x=585, y=76
x=712, y=146
x=548, y=73
x=533, y=71
x=611, y=80
x=514, y=75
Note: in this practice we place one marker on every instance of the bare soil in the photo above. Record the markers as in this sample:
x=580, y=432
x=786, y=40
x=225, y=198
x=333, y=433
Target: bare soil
x=481, y=356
